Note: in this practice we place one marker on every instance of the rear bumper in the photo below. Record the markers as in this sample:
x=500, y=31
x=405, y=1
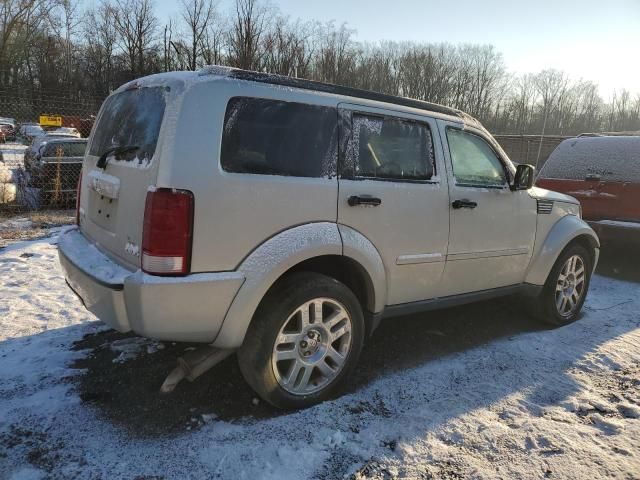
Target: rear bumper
x=615, y=231
x=189, y=309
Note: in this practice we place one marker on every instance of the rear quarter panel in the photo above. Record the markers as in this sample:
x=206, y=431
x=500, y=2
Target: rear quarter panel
x=236, y=212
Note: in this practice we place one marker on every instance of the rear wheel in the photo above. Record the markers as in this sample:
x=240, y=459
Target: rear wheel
x=566, y=288
x=304, y=340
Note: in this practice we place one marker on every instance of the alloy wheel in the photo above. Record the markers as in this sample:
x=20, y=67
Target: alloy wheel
x=312, y=346
x=570, y=286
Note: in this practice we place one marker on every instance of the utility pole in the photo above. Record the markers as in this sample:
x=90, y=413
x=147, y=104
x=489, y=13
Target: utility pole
x=544, y=124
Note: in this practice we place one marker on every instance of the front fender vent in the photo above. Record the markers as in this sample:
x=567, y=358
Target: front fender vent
x=545, y=206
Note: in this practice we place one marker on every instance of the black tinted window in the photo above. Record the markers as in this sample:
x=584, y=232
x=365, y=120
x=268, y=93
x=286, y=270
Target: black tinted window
x=390, y=148
x=70, y=149
x=132, y=117
x=273, y=137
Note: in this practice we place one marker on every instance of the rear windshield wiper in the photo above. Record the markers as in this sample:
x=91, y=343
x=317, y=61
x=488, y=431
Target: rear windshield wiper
x=102, y=161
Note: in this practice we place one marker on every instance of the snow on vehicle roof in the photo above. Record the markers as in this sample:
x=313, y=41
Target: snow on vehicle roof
x=612, y=158
x=184, y=79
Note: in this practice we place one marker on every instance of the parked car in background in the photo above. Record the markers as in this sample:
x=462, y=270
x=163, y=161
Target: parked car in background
x=34, y=149
x=7, y=132
x=29, y=131
x=603, y=172
x=57, y=134
x=285, y=218
x=70, y=131
x=55, y=169
x=9, y=120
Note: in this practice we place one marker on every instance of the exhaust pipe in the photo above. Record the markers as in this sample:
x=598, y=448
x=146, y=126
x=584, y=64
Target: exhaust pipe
x=193, y=364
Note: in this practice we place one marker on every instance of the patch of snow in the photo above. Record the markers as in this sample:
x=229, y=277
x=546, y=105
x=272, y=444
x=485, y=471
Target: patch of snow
x=12, y=154
x=89, y=259
x=130, y=348
x=19, y=223
x=144, y=163
x=104, y=184
x=132, y=249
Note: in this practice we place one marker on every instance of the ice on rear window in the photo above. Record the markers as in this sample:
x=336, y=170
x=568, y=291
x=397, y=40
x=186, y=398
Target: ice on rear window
x=614, y=159
x=131, y=117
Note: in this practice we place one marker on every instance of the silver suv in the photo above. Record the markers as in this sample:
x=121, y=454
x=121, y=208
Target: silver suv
x=285, y=218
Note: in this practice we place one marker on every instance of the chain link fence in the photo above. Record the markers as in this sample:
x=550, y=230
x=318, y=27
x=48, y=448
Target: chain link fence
x=530, y=149
x=43, y=137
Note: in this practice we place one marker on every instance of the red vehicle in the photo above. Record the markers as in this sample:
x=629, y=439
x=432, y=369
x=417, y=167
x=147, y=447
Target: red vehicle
x=603, y=172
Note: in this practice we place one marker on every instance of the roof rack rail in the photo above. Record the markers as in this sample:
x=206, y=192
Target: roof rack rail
x=294, y=82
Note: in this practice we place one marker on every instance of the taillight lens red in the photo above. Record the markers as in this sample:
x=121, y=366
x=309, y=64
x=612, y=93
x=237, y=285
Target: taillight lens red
x=168, y=232
x=78, y=190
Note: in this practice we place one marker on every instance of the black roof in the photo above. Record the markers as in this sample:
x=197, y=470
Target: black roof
x=284, y=81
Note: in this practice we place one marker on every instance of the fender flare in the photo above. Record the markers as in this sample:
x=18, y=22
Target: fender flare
x=360, y=249
x=268, y=262
x=561, y=234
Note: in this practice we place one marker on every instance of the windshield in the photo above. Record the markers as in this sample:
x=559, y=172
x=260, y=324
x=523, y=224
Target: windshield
x=132, y=117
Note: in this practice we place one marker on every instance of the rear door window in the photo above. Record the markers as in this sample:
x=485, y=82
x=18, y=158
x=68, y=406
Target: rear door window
x=390, y=148
x=273, y=137
x=130, y=118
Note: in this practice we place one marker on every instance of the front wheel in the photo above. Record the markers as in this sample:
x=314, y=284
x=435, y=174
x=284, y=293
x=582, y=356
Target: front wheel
x=566, y=288
x=304, y=340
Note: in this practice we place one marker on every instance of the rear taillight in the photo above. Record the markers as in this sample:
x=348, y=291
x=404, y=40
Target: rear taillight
x=168, y=231
x=78, y=190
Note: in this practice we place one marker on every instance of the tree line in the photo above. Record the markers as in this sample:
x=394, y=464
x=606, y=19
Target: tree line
x=53, y=47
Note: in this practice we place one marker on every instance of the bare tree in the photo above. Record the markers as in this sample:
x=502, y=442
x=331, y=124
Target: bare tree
x=197, y=15
x=246, y=35
x=101, y=37
x=136, y=25
x=42, y=47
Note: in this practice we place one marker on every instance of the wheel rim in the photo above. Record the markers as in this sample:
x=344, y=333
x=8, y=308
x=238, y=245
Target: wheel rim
x=570, y=286
x=312, y=346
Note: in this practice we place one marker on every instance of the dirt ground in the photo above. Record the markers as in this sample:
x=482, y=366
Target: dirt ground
x=32, y=225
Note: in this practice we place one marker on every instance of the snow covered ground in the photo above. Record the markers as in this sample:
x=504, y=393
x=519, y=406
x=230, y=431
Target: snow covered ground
x=12, y=154
x=472, y=392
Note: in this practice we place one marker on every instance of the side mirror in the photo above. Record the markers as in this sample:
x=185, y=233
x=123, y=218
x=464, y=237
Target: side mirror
x=523, y=179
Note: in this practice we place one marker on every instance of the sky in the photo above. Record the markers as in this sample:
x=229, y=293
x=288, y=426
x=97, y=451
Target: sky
x=595, y=40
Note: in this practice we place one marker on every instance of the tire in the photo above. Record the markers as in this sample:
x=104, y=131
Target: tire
x=563, y=296
x=293, y=363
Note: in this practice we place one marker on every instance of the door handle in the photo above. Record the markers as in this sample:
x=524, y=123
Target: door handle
x=367, y=200
x=464, y=203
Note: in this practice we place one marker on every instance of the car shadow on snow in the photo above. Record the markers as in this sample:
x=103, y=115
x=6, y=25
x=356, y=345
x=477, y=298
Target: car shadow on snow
x=128, y=392
x=128, y=395
x=619, y=261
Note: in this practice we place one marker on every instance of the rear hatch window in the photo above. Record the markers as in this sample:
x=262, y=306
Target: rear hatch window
x=130, y=118
x=113, y=193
